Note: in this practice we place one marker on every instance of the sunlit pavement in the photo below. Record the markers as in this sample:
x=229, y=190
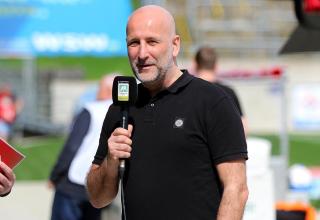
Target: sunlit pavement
x=31, y=200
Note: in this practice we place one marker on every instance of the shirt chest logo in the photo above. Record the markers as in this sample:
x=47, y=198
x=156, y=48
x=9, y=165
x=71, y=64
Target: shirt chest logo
x=178, y=123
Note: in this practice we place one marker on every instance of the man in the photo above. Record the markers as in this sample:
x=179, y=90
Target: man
x=69, y=173
x=205, y=62
x=185, y=145
x=7, y=179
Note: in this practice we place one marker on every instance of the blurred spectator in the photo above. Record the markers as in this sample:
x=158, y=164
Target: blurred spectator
x=88, y=96
x=10, y=106
x=205, y=63
x=69, y=173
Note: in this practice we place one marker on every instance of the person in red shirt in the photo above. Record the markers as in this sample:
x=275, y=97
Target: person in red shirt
x=9, y=108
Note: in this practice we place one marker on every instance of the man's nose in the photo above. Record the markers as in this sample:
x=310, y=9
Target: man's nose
x=143, y=51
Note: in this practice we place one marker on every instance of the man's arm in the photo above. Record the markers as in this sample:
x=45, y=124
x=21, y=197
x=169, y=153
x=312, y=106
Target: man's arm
x=102, y=183
x=235, y=192
x=245, y=125
x=102, y=180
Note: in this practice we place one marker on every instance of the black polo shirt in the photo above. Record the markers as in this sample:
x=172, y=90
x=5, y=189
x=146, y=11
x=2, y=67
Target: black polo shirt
x=179, y=135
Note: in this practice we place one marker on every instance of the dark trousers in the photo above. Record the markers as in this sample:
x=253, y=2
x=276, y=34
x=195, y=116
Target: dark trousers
x=67, y=208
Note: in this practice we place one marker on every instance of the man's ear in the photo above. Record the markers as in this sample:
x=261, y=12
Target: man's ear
x=176, y=45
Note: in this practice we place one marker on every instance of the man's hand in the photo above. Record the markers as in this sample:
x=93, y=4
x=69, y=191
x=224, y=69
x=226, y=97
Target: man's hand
x=7, y=179
x=119, y=144
x=50, y=185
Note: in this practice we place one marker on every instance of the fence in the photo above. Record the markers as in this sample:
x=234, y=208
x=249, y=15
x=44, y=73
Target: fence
x=34, y=89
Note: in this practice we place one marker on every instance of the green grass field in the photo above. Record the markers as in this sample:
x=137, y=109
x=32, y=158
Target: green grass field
x=41, y=153
x=92, y=67
x=304, y=149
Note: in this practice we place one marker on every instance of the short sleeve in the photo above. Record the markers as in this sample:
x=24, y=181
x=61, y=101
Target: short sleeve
x=110, y=122
x=226, y=137
x=237, y=102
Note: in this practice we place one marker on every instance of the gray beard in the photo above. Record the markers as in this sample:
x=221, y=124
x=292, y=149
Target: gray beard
x=160, y=75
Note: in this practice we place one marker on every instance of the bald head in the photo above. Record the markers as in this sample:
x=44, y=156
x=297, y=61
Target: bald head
x=153, y=47
x=153, y=15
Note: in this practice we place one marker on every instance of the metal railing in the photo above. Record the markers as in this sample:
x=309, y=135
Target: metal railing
x=19, y=72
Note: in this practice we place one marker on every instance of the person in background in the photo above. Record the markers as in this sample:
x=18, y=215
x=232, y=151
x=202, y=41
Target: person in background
x=69, y=173
x=7, y=179
x=205, y=65
x=88, y=95
x=185, y=147
x=10, y=106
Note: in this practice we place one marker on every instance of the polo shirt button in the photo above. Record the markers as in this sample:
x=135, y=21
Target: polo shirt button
x=152, y=105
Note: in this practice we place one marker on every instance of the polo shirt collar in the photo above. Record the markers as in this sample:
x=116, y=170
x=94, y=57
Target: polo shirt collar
x=181, y=82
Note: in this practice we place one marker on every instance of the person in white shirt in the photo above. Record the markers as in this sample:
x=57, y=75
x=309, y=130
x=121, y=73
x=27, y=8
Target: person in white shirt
x=69, y=173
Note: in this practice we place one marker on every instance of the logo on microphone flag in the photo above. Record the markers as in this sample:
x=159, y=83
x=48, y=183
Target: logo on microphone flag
x=123, y=91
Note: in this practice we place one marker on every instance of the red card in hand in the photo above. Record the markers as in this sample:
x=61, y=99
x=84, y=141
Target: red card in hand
x=9, y=155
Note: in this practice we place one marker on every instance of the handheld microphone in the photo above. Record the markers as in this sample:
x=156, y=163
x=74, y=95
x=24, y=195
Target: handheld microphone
x=124, y=94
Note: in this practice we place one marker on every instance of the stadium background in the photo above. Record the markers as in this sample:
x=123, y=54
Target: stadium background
x=248, y=35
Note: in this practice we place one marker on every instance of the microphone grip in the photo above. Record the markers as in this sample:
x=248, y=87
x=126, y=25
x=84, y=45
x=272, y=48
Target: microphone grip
x=124, y=118
x=122, y=165
x=124, y=124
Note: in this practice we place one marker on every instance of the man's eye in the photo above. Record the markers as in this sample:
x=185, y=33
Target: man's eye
x=152, y=42
x=133, y=43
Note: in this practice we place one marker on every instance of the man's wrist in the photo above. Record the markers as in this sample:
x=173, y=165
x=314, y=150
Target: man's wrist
x=111, y=162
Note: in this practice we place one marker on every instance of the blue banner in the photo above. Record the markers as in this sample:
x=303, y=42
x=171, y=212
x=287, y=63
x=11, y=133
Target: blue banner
x=64, y=27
